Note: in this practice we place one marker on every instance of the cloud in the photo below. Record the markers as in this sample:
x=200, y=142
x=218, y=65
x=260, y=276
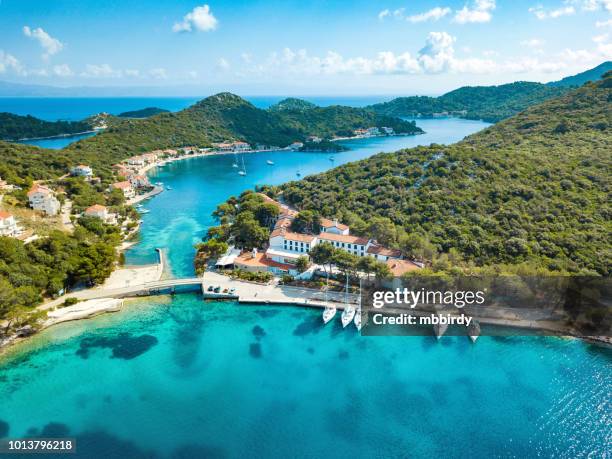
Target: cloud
x=49, y=44
x=223, y=64
x=432, y=15
x=596, y=5
x=132, y=73
x=62, y=70
x=542, y=14
x=480, y=11
x=383, y=14
x=532, y=43
x=101, y=71
x=200, y=18
x=158, y=73
x=607, y=23
x=438, y=52
x=10, y=62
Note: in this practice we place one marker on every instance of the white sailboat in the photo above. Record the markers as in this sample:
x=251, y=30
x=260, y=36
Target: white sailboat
x=243, y=170
x=349, y=311
x=235, y=163
x=270, y=162
x=328, y=313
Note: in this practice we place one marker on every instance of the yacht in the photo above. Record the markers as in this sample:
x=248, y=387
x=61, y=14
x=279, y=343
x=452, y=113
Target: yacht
x=357, y=319
x=235, y=163
x=329, y=313
x=270, y=163
x=348, y=315
x=144, y=211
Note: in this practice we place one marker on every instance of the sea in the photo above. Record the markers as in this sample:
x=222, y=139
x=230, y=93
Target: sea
x=179, y=377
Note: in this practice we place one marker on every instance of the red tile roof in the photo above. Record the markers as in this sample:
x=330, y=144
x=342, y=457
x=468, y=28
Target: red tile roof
x=38, y=189
x=4, y=215
x=343, y=238
x=95, y=208
x=380, y=250
x=122, y=185
x=259, y=261
x=327, y=223
x=399, y=267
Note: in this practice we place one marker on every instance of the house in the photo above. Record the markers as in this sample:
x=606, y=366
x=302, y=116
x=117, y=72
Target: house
x=122, y=170
x=125, y=187
x=314, y=139
x=295, y=146
x=332, y=226
x=257, y=261
x=42, y=199
x=351, y=244
x=382, y=253
x=388, y=130
x=139, y=181
x=149, y=158
x=372, y=131
x=224, y=146
x=97, y=211
x=360, y=132
x=8, y=225
x=136, y=161
x=240, y=146
x=81, y=171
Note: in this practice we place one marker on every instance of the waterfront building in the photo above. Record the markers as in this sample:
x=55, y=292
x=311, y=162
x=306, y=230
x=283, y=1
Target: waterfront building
x=8, y=225
x=351, y=244
x=42, y=199
x=314, y=139
x=295, y=146
x=260, y=262
x=139, y=181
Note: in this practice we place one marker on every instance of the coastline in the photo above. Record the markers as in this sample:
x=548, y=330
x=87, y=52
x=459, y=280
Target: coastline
x=59, y=136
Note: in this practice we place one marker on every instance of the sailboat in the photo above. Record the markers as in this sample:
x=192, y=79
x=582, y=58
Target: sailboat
x=357, y=319
x=349, y=311
x=330, y=311
x=235, y=163
x=243, y=171
x=270, y=163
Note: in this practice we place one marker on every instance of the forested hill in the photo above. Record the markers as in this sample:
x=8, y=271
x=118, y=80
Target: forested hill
x=531, y=191
x=489, y=103
x=16, y=127
x=143, y=113
x=215, y=119
x=291, y=103
x=593, y=74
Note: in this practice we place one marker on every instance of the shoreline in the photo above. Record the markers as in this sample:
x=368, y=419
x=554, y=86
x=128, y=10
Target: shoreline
x=59, y=136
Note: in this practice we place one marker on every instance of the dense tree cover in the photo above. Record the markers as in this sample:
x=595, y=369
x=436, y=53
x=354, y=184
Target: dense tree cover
x=489, y=103
x=215, y=119
x=212, y=248
x=307, y=221
x=291, y=103
x=143, y=113
x=16, y=127
x=593, y=74
x=531, y=191
x=327, y=255
x=48, y=265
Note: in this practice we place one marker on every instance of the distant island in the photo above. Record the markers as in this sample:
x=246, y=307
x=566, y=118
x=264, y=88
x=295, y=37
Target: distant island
x=579, y=79
x=143, y=113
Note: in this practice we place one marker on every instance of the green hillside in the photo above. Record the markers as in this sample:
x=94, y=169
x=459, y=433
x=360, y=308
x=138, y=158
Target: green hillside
x=291, y=103
x=532, y=190
x=215, y=119
x=16, y=127
x=581, y=78
x=143, y=113
x=489, y=103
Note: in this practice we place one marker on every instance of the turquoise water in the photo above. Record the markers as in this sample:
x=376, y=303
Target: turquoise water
x=179, y=217
x=180, y=377
x=57, y=142
x=185, y=378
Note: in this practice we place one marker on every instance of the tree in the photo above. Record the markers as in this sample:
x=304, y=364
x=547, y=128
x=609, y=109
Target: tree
x=267, y=214
x=306, y=221
x=383, y=230
x=302, y=264
x=247, y=232
x=322, y=254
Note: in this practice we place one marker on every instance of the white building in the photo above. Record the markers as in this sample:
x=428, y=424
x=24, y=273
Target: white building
x=139, y=181
x=97, y=211
x=332, y=226
x=42, y=199
x=351, y=244
x=372, y=131
x=382, y=253
x=240, y=146
x=125, y=187
x=388, y=130
x=8, y=225
x=314, y=139
x=295, y=146
x=81, y=171
x=136, y=161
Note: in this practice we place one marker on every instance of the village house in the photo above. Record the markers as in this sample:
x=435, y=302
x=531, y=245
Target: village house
x=314, y=139
x=125, y=187
x=101, y=212
x=139, y=181
x=81, y=171
x=138, y=161
x=382, y=253
x=388, y=130
x=8, y=225
x=360, y=132
x=42, y=199
x=240, y=146
x=351, y=244
x=224, y=146
x=372, y=131
x=295, y=146
x=255, y=261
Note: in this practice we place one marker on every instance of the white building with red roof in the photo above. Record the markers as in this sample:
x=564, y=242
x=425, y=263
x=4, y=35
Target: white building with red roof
x=125, y=187
x=81, y=171
x=42, y=199
x=8, y=225
x=332, y=226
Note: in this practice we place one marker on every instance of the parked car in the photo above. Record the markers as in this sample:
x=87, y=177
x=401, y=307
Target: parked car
x=217, y=289
x=210, y=288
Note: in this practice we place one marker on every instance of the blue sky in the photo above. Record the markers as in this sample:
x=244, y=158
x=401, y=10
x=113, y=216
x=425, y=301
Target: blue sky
x=301, y=47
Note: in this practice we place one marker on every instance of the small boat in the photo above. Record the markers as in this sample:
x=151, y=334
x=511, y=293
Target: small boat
x=329, y=313
x=357, y=319
x=241, y=173
x=348, y=315
x=235, y=165
x=159, y=183
x=474, y=330
x=144, y=211
x=168, y=187
x=332, y=159
x=298, y=174
x=270, y=163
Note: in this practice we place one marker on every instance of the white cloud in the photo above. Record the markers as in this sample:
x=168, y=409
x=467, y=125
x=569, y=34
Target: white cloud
x=50, y=45
x=101, y=71
x=607, y=23
x=10, y=62
x=399, y=13
x=542, y=14
x=201, y=18
x=532, y=43
x=223, y=64
x=246, y=58
x=438, y=52
x=158, y=73
x=383, y=14
x=62, y=70
x=480, y=11
x=432, y=15
x=595, y=5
